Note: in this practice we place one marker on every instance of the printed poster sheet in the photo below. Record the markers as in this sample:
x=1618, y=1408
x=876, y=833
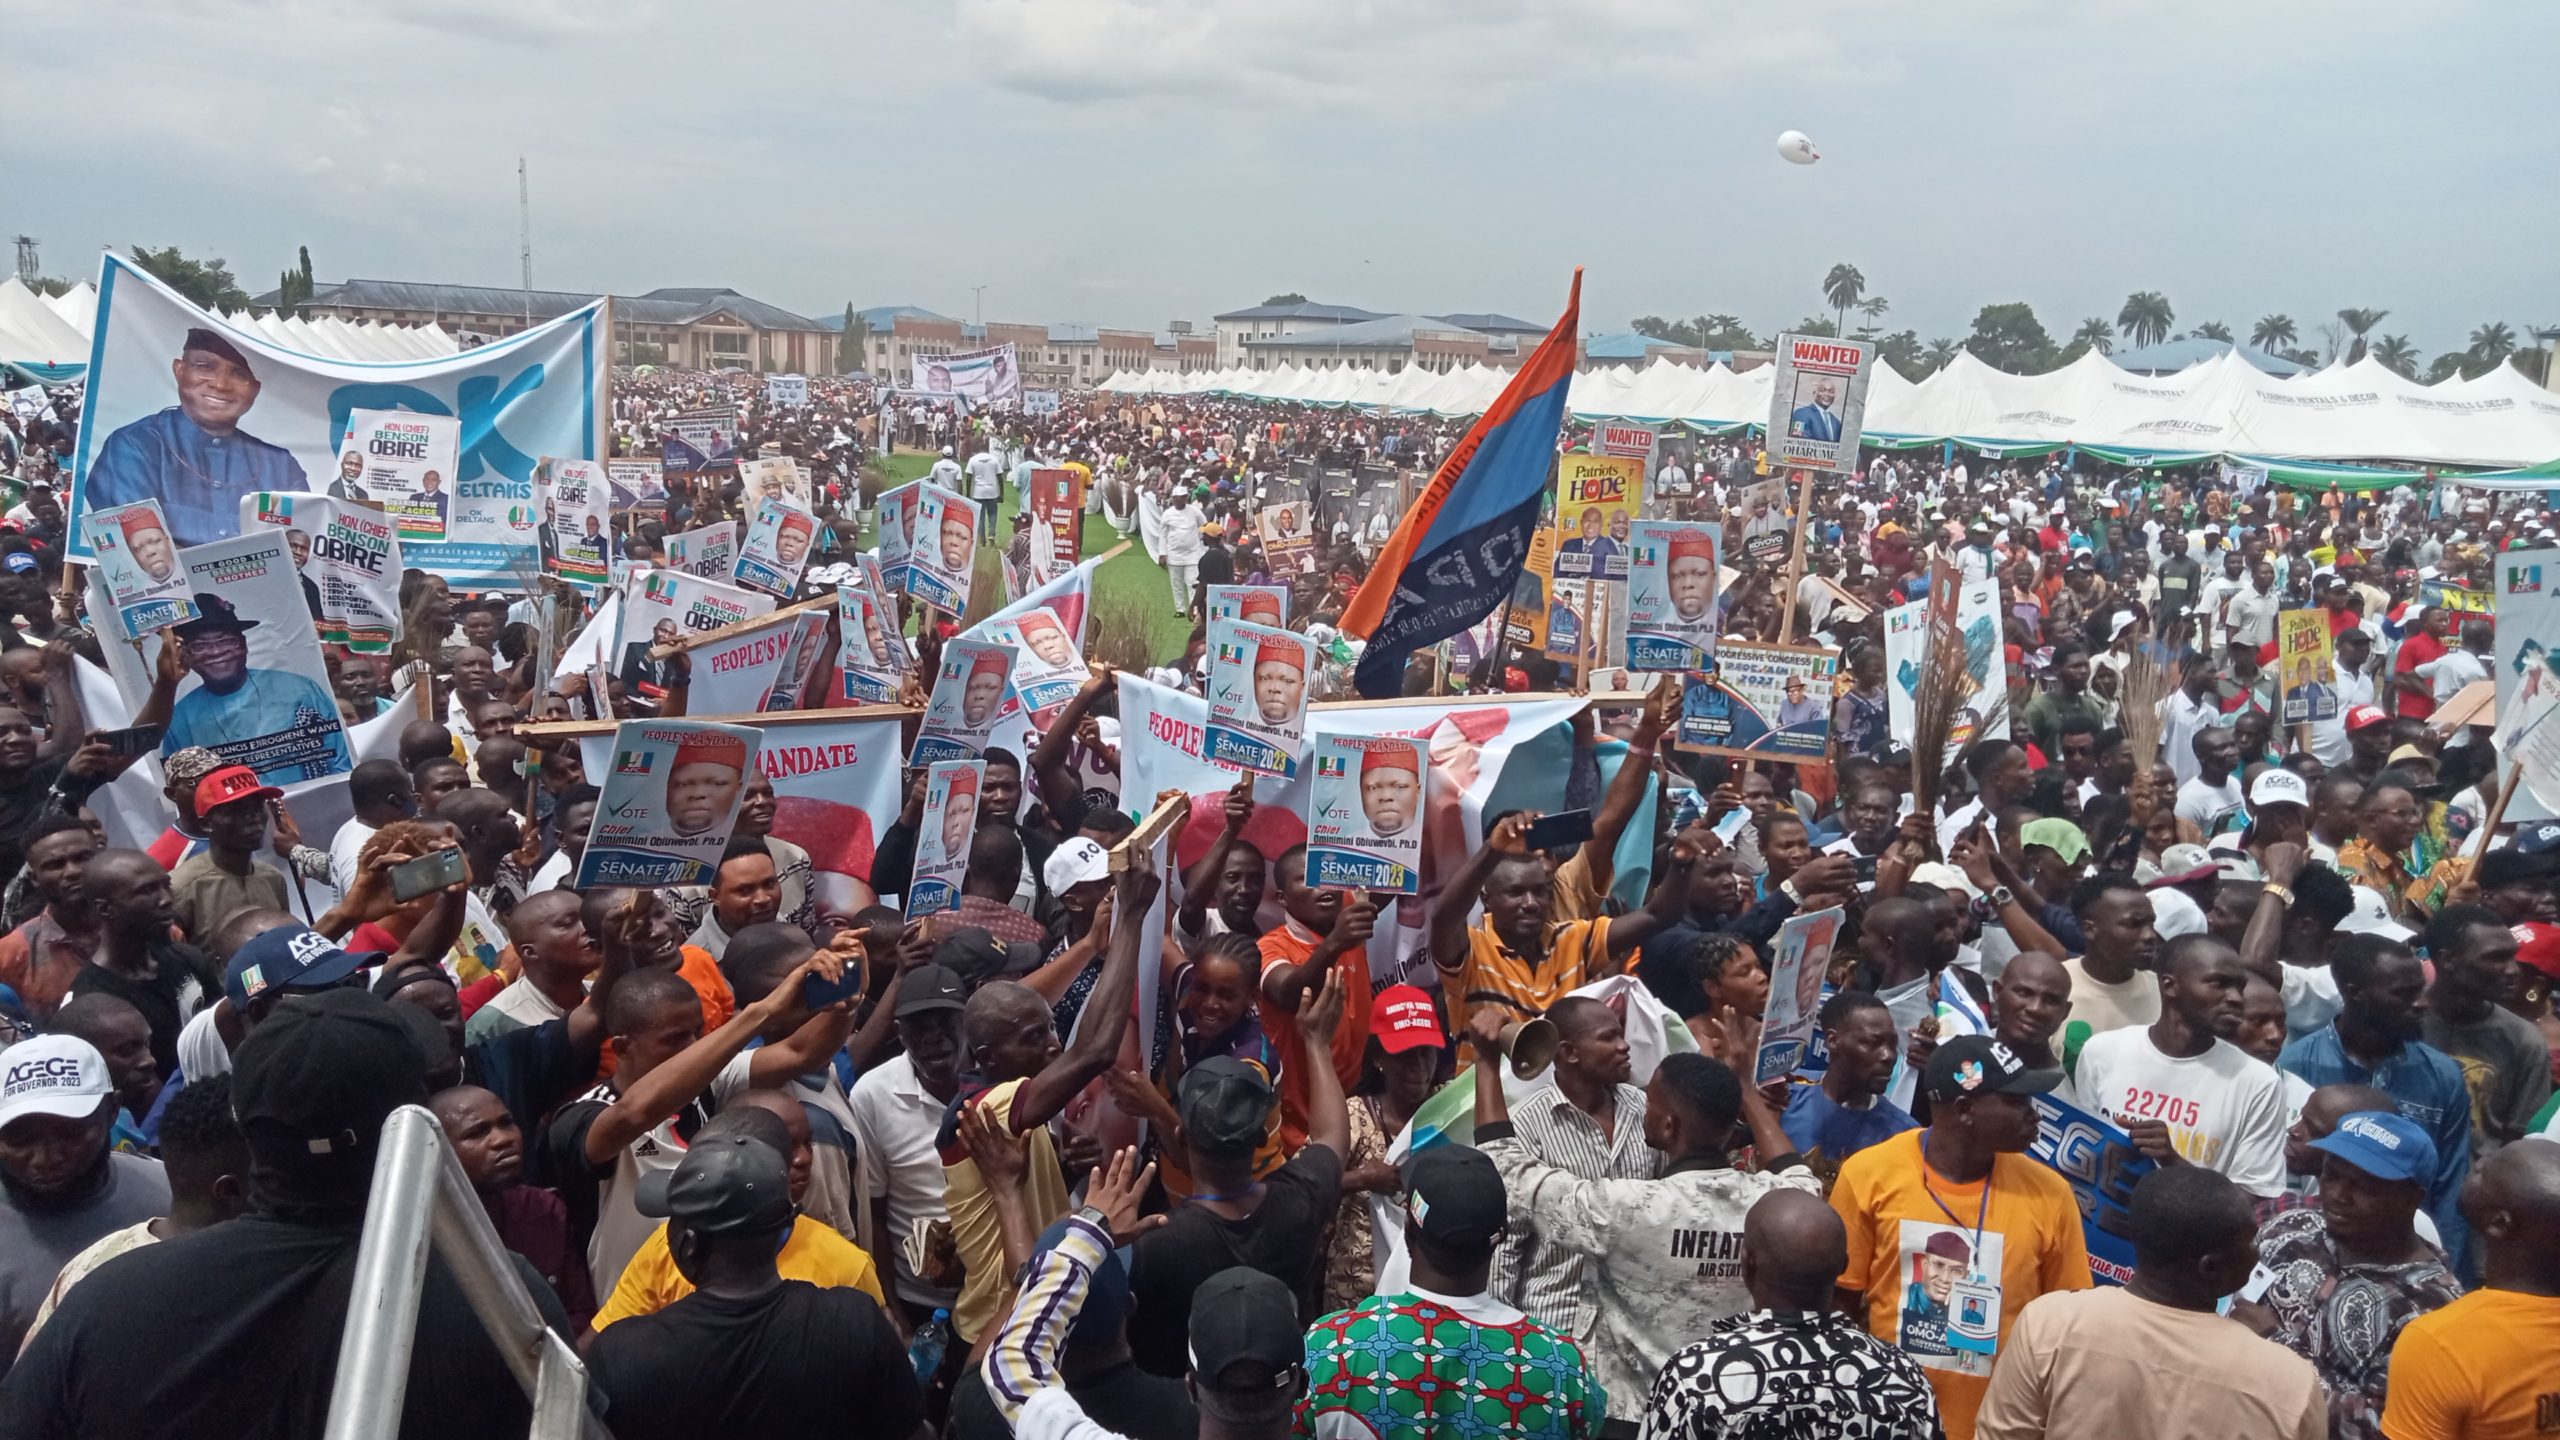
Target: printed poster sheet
x=777, y=547
x=1047, y=668
x=989, y=374
x=1671, y=595
x=949, y=823
x=1906, y=640
x=256, y=691
x=1253, y=604
x=404, y=463
x=1364, y=814
x=776, y=478
x=1818, y=403
x=637, y=484
x=184, y=409
x=942, y=562
x=670, y=802
x=968, y=692
x=895, y=515
x=786, y=392
x=1524, y=619
x=576, y=514
x=139, y=564
x=348, y=560
x=700, y=442
x=2528, y=590
x=866, y=647
x=1800, y=958
x=1596, y=499
x=1288, y=537
x=1057, y=520
x=1765, y=701
x=1257, y=690
x=661, y=607
x=2306, y=666
x=710, y=552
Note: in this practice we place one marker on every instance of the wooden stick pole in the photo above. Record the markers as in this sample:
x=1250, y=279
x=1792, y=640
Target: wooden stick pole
x=1795, y=558
x=1163, y=820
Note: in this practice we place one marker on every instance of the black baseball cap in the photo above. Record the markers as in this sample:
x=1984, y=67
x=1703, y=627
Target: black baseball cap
x=1226, y=1106
x=313, y=1083
x=1453, y=1195
x=931, y=987
x=979, y=957
x=2513, y=866
x=1980, y=1065
x=1245, y=1336
x=726, y=1184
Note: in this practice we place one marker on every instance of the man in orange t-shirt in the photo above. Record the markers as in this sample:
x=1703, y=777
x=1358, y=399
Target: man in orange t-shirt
x=1323, y=931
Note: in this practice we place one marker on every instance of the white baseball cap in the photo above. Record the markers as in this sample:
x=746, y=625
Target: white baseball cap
x=2372, y=916
x=1074, y=862
x=58, y=1075
x=2278, y=787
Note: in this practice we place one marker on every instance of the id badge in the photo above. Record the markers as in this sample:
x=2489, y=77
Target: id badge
x=1973, y=1317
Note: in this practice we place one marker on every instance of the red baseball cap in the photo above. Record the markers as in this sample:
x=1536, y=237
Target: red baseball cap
x=1401, y=1019
x=2360, y=716
x=2538, y=945
x=231, y=782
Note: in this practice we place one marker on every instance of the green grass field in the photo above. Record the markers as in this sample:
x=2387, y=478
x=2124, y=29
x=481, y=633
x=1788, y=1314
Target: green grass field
x=1133, y=623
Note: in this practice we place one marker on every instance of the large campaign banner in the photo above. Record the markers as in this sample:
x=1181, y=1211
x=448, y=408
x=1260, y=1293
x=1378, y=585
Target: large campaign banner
x=1596, y=500
x=1906, y=629
x=661, y=607
x=943, y=833
x=348, y=557
x=256, y=691
x=1671, y=594
x=1364, y=814
x=2100, y=1164
x=989, y=374
x=184, y=409
x=1818, y=402
x=1768, y=702
x=670, y=803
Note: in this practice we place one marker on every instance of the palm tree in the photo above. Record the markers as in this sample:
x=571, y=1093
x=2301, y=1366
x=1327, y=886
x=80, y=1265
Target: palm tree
x=2213, y=330
x=1843, y=287
x=2272, y=331
x=2097, y=334
x=2397, y=355
x=2493, y=342
x=2357, y=323
x=1942, y=350
x=1873, y=307
x=2146, y=317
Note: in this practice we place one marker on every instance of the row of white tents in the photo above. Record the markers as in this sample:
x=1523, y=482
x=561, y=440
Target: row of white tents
x=53, y=332
x=2225, y=406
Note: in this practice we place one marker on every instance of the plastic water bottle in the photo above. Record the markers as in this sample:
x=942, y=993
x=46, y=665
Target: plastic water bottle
x=925, y=1351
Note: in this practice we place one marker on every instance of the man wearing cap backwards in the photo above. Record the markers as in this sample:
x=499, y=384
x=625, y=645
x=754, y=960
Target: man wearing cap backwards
x=2481, y=1365
x=748, y=1352
x=1668, y=1250
x=2505, y=1063
x=1246, y=1353
x=62, y=1185
x=1280, y=690
x=2178, y=1087
x=240, y=710
x=2348, y=1274
x=265, y=1298
x=1441, y=1355
x=1805, y=1369
x=703, y=781
x=193, y=457
x=1952, y=1229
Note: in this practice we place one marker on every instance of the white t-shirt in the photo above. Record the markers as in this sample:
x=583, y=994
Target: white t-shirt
x=986, y=476
x=343, y=849
x=2225, y=1109
x=2453, y=670
x=2180, y=719
x=2208, y=807
x=894, y=1122
x=201, y=1053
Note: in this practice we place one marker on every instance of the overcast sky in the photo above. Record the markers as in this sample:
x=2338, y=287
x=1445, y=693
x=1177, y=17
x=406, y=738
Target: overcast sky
x=1127, y=162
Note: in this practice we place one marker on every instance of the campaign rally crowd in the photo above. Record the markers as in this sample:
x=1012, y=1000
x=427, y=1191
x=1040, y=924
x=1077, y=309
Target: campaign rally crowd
x=2303, y=970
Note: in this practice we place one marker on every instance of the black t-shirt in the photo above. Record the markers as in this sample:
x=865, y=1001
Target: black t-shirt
x=22, y=804
x=796, y=1360
x=234, y=1331
x=1123, y=1400
x=168, y=1000
x=1217, y=567
x=1278, y=1238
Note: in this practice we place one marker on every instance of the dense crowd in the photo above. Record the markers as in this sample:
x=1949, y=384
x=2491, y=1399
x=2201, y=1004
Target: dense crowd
x=2299, y=967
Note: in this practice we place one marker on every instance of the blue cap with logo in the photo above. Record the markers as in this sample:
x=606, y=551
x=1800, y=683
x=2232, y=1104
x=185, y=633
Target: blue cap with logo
x=2383, y=1144
x=2538, y=839
x=290, y=957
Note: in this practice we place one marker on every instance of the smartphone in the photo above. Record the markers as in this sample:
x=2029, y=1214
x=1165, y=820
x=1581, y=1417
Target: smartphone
x=1561, y=831
x=818, y=994
x=427, y=874
x=139, y=740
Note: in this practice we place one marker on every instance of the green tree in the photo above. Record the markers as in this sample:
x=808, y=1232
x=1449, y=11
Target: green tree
x=2358, y=322
x=2009, y=337
x=2447, y=365
x=1704, y=332
x=1874, y=308
x=1292, y=298
x=853, y=352
x=1809, y=325
x=2272, y=331
x=2493, y=343
x=207, y=283
x=1843, y=287
x=2095, y=334
x=1902, y=351
x=51, y=285
x=2213, y=330
x=296, y=286
x=1942, y=350
x=2146, y=317
x=2397, y=355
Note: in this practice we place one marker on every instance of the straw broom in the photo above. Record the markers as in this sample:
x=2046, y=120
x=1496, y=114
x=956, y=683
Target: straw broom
x=1946, y=682
x=2148, y=679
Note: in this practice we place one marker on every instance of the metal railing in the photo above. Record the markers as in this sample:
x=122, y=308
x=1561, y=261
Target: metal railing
x=422, y=1200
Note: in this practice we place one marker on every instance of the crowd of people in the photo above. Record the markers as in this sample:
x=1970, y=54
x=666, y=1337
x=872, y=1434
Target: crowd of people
x=2296, y=966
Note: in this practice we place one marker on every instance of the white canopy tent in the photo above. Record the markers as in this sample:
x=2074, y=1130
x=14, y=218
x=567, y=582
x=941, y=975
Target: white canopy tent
x=2345, y=413
x=32, y=334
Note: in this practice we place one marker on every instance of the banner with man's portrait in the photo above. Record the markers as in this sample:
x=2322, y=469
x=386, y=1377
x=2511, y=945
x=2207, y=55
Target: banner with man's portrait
x=660, y=607
x=1671, y=594
x=967, y=694
x=187, y=410
x=139, y=563
x=576, y=509
x=348, y=557
x=1596, y=500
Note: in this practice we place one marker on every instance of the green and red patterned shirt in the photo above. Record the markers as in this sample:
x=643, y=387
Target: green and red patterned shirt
x=1424, y=1366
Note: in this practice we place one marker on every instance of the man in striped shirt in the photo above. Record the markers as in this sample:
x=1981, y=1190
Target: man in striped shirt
x=1587, y=1120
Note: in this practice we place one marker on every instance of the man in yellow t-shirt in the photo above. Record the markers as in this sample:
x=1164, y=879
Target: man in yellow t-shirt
x=1952, y=1229
x=815, y=1252
x=2487, y=1366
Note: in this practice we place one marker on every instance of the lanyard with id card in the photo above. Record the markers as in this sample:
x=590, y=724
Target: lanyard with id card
x=1973, y=1303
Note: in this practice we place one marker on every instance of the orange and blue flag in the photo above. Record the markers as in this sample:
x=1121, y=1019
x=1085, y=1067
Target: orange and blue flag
x=1463, y=544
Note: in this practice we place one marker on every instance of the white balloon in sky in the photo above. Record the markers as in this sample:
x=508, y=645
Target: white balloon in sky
x=1795, y=149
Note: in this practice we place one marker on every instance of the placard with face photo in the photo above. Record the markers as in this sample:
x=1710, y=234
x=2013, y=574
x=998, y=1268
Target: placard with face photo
x=1364, y=813
x=1257, y=690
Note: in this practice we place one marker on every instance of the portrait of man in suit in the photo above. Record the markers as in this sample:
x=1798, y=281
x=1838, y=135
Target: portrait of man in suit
x=1821, y=419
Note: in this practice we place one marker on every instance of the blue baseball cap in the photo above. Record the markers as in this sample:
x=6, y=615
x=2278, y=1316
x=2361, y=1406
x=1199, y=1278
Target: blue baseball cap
x=2383, y=1144
x=2538, y=839
x=290, y=957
